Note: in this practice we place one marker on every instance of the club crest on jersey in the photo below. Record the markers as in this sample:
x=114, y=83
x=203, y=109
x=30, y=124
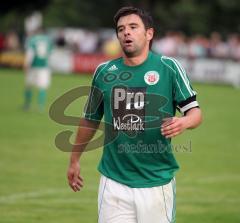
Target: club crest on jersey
x=151, y=77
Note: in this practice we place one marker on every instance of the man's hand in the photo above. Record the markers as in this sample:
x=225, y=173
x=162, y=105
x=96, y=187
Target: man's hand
x=75, y=181
x=173, y=126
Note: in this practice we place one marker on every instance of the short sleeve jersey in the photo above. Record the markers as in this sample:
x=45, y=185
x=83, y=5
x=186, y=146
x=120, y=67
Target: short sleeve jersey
x=41, y=47
x=135, y=100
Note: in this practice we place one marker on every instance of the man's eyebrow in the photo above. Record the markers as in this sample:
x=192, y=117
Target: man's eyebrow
x=118, y=27
x=130, y=24
x=133, y=24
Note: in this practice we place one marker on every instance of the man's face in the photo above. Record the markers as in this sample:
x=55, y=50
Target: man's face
x=132, y=35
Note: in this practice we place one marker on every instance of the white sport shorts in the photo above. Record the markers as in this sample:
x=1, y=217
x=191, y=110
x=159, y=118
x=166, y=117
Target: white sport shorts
x=118, y=203
x=38, y=77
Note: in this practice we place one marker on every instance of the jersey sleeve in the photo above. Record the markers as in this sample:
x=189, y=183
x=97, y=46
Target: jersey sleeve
x=184, y=95
x=94, y=107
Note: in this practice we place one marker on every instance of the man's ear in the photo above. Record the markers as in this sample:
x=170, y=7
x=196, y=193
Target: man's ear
x=150, y=33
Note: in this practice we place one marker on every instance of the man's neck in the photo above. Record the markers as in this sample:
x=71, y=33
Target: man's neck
x=136, y=60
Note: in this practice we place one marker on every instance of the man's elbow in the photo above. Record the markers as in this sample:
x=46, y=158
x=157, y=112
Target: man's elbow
x=94, y=124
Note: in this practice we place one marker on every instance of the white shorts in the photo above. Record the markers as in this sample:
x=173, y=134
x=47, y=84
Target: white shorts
x=118, y=203
x=38, y=77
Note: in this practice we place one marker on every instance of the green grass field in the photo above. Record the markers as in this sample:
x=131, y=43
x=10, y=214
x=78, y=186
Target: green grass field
x=33, y=184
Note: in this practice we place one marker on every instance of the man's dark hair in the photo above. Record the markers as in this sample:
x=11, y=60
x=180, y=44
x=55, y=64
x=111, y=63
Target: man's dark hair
x=145, y=17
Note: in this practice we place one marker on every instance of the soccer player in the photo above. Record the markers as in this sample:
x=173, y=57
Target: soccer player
x=38, y=74
x=138, y=94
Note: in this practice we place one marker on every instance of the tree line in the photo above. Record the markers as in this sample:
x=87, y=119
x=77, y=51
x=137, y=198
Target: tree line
x=189, y=16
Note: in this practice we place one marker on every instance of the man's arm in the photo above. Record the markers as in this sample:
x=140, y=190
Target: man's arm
x=28, y=59
x=177, y=125
x=85, y=133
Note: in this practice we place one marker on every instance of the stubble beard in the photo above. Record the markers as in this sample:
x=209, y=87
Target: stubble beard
x=131, y=52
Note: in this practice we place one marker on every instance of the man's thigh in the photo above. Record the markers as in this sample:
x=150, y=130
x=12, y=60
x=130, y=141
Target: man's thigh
x=156, y=204
x=43, y=78
x=115, y=203
x=30, y=78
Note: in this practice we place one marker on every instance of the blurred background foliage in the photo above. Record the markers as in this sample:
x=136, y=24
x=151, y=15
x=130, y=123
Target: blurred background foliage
x=189, y=16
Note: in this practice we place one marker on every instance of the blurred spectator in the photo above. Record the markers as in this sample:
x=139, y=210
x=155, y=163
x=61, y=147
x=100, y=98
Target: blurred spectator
x=218, y=48
x=2, y=42
x=234, y=46
x=12, y=41
x=60, y=41
x=166, y=45
x=198, y=47
x=111, y=47
x=89, y=42
x=236, y=54
x=182, y=45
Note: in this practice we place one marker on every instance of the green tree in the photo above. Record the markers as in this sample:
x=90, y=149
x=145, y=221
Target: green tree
x=189, y=16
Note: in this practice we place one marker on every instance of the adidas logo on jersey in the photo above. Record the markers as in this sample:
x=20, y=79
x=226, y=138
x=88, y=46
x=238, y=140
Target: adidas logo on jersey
x=112, y=68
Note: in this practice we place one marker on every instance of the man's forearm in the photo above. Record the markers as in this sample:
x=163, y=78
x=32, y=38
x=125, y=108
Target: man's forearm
x=193, y=118
x=28, y=59
x=85, y=133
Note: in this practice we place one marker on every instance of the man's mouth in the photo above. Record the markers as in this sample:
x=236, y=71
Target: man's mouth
x=128, y=42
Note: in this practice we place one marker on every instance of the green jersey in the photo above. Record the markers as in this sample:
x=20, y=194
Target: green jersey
x=40, y=47
x=134, y=101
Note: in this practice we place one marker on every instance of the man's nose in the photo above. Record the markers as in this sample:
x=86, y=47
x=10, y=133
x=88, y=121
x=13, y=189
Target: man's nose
x=126, y=32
